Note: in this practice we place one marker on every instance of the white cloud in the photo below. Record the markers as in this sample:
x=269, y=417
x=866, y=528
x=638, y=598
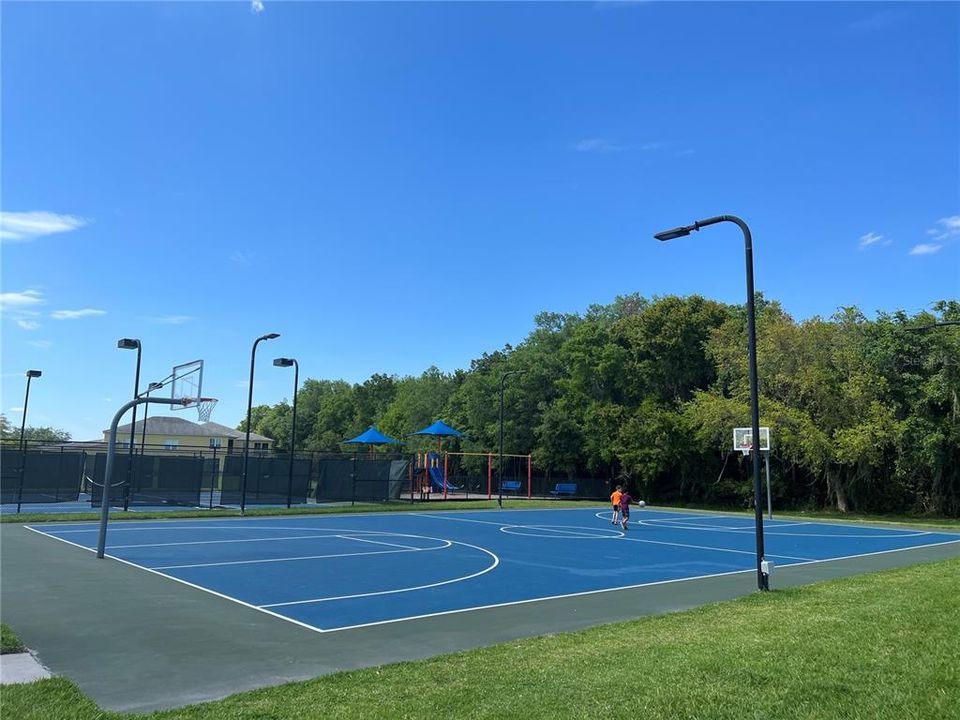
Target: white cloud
x=256, y=6
x=947, y=227
x=20, y=300
x=26, y=226
x=925, y=249
x=172, y=319
x=28, y=324
x=598, y=145
x=869, y=239
x=40, y=343
x=17, y=409
x=74, y=314
x=242, y=258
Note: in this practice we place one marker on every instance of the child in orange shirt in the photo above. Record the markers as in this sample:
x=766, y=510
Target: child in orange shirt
x=615, y=499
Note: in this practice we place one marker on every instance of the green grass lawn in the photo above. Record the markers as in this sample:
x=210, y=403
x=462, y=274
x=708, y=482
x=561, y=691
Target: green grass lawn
x=883, y=645
x=9, y=643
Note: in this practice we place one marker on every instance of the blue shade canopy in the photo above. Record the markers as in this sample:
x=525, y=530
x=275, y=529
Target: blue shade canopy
x=439, y=429
x=371, y=436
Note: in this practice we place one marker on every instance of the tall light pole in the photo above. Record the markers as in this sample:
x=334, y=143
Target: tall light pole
x=23, y=428
x=287, y=362
x=131, y=344
x=763, y=578
x=146, y=408
x=246, y=442
x=503, y=380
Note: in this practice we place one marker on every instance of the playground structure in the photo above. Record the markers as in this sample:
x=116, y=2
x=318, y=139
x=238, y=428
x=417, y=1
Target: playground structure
x=466, y=474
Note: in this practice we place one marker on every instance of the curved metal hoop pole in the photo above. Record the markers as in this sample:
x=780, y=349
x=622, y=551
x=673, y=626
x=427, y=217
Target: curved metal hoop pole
x=112, y=451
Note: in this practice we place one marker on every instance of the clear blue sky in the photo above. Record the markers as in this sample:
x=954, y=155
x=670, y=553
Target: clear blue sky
x=394, y=186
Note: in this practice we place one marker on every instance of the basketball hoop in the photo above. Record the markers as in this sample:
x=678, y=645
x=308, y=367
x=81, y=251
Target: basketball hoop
x=205, y=408
x=743, y=440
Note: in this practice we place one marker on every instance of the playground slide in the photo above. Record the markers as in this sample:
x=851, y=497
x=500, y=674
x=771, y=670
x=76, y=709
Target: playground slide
x=436, y=479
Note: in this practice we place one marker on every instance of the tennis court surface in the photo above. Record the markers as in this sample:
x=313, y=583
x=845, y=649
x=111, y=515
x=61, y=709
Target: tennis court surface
x=332, y=573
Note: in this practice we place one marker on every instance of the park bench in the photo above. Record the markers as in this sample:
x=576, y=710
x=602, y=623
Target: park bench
x=564, y=489
x=510, y=486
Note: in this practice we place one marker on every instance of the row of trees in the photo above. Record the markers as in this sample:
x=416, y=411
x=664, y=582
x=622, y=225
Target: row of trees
x=11, y=434
x=864, y=412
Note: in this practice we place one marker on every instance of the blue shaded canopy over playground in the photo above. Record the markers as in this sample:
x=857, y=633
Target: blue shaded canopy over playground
x=439, y=429
x=372, y=436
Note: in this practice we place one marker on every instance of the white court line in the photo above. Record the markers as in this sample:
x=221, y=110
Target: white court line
x=141, y=528
x=769, y=524
x=679, y=512
x=687, y=518
x=635, y=539
x=496, y=561
x=316, y=629
x=556, y=532
x=184, y=582
x=378, y=542
x=504, y=527
x=707, y=547
x=605, y=590
x=453, y=519
x=305, y=557
x=224, y=542
x=891, y=534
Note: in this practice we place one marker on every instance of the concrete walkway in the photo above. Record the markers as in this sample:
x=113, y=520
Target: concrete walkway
x=21, y=668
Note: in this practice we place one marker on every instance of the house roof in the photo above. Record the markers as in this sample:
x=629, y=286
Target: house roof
x=161, y=425
x=234, y=433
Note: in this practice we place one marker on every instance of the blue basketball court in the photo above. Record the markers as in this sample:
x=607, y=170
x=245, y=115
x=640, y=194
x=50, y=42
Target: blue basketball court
x=334, y=572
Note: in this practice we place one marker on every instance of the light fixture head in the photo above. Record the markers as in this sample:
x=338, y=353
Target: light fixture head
x=34, y=373
x=675, y=233
x=283, y=362
x=128, y=343
x=270, y=336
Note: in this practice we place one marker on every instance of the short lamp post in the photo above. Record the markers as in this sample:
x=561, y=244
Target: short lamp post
x=287, y=362
x=503, y=380
x=23, y=444
x=763, y=578
x=246, y=443
x=131, y=344
x=146, y=408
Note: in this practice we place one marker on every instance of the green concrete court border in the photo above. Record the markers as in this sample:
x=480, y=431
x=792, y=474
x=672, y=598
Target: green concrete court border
x=134, y=641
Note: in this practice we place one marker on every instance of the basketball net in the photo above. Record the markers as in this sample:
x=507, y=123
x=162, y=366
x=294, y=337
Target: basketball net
x=205, y=408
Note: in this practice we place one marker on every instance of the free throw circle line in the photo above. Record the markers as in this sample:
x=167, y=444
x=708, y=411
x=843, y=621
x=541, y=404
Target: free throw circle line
x=304, y=557
x=564, y=532
x=493, y=565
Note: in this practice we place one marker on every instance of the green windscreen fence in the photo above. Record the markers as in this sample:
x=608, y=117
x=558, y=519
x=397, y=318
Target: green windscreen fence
x=268, y=480
x=48, y=477
x=153, y=480
x=361, y=478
